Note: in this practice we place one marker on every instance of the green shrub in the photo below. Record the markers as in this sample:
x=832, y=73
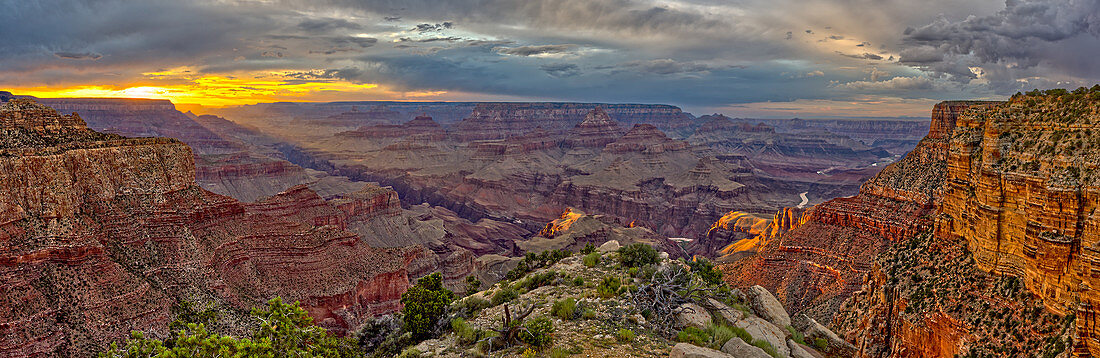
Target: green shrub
x=472, y=285
x=625, y=335
x=821, y=344
x=531, y=282
x=609, y=287
x=637, y=255
x=592, y=259
x=742, y=333
x=767, y=347
x=538, y=332
x=532, y=261
x=565, y=309
x=558, y=352
x=410, y=353
x=467, y=335
x=706, y=271
x=285, y=330
x=578, y=281
x=633, y=272
x=470, y=306
x=505, y=294
x=796, y=335
x=694, y=336
x=588, y=313
x=647, y=272
x=588, y=249
x=425, y=303
x=719, y=334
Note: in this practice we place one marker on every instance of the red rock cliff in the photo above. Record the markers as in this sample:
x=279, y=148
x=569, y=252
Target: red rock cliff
x=99, y=235
x=815, y=266
x=1023, y=189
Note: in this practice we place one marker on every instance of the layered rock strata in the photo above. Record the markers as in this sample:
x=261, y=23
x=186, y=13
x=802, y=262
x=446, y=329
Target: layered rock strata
x=100, y=235
x=224, y=165
x=817, y=264
x=1023, y=190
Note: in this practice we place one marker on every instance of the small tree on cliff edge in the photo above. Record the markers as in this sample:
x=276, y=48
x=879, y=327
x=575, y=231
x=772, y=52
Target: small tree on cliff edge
x=425, y=304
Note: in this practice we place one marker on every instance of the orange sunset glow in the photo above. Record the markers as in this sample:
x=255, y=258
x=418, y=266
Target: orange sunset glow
x=227, y=90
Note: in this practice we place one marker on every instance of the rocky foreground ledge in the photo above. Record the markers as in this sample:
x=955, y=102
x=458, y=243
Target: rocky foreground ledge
x=596, y=306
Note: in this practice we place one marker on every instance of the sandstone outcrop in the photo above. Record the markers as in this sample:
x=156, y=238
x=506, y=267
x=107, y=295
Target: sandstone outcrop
x=693, y=315
x=100, y=235
x=766, y=306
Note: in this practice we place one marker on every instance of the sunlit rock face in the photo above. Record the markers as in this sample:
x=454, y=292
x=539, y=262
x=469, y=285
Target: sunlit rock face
x=1023, y=190
x=1015, y=183
x=816, y=264
x=101, y=234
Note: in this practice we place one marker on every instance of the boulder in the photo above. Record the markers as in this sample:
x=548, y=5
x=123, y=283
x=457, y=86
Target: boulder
x=765, y=305
x=685, y=350
x=721, y=310
x=693, y=315
x=738, y=348
x=761, y=329
x=814, y=330
x=801, y=351
x=610, y=246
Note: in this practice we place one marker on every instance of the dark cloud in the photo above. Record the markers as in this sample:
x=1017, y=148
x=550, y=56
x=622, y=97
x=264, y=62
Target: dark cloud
x=422, y=28
x=536, y=50
x=348, y=73
x=863, y=56
x=363, y=42
x=896, y=83
x=629, y=50
x=561, y=69
x=432, y=39
x=78, y=55
x=667, y=66
x=1026, y=38
x=321, y=26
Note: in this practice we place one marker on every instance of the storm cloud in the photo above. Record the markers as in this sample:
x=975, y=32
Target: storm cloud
x=700, y=54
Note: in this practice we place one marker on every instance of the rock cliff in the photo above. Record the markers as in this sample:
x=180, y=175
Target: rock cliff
x=1008, y=188
x=819, y=262
x=100, y=235
x=224, y=165
x=1023, y=189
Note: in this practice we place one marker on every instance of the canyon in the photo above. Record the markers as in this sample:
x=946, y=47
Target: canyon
x=103, y=234
x=526, y=163
x=987, y=222
x=996, y=206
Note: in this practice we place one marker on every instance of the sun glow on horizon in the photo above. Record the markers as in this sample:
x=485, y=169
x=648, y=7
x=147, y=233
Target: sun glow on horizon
x=229, y=90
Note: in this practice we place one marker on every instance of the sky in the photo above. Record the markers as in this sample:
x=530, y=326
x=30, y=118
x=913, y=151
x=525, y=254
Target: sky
x=747, y=58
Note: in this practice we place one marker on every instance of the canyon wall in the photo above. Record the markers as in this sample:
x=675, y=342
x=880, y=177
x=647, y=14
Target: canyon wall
x=100, y=235
x=1023, y=190
x=816, y=264
x=901, y=268
x=223, y=165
